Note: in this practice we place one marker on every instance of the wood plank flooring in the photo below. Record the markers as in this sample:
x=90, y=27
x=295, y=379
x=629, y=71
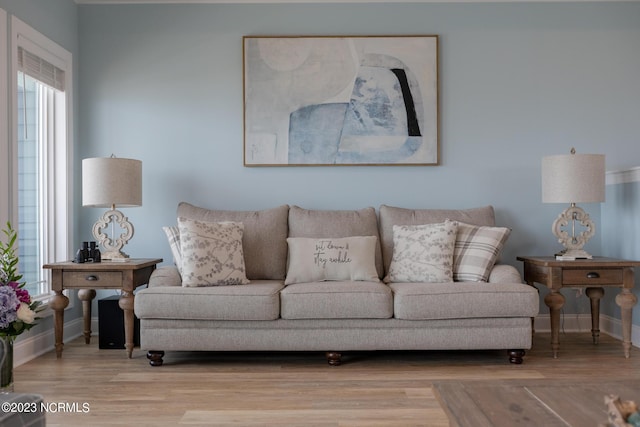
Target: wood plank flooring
x=293, y=389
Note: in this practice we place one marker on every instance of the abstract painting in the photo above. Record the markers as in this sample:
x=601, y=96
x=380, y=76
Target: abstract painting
x=318, y=101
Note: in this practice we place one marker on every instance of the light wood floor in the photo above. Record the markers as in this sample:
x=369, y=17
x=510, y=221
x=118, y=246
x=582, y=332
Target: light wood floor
x=291, y=389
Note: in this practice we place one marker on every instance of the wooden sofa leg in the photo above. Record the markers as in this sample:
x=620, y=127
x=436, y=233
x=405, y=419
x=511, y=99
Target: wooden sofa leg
x=155, y=357
x=515, y=356
x=334, y=358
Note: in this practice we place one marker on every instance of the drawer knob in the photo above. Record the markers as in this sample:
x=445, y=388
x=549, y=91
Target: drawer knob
x=593, y=275
x=91, y=278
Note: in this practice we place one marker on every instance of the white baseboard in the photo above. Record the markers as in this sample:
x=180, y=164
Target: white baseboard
x=32, y=347
x=29, y=348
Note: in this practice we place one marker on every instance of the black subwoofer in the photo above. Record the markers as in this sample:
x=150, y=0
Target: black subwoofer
x=111, y=324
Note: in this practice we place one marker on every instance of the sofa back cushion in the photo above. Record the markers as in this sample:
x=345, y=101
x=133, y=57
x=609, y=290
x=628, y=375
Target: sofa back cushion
x=335, y=224
x=264, y=240
x=390, y=216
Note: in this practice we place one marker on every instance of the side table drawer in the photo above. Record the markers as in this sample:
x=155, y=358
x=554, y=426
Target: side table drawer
x=92, y=279
x=596, y=276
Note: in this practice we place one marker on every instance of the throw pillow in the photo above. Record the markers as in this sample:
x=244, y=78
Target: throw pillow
x=211, y=253
x=173, y=236
x=423, y=253
x=476, y=251
x=316, y=260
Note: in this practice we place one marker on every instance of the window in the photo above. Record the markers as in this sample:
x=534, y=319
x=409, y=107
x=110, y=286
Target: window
x=4, y=121
x=40, y=178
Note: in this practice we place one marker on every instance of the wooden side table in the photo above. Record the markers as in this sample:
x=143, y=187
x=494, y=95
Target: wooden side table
x=88, y=277
x=594, y=275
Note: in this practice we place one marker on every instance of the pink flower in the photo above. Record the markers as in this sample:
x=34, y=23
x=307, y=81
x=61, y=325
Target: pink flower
x=22, y=294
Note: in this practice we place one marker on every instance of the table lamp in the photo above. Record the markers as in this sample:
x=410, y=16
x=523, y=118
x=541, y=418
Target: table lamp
x=110, y=182
x=573, y=178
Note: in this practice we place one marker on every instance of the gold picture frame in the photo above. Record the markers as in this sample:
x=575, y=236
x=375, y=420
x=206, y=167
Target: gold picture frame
x=341, y=100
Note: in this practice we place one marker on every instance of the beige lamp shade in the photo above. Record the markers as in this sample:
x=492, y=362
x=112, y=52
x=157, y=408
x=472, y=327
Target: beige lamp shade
x=111, y=181
x=573, y=178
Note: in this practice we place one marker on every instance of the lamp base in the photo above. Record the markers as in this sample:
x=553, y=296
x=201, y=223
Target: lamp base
x=573, y=242
x=113, y=245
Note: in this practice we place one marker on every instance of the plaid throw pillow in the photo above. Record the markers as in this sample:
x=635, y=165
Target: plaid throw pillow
x=476, y=250
x=173, y=236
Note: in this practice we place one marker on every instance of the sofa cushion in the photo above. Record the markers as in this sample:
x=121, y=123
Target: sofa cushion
x=211, y=253
x=460, y=300
x=336, y=223
x=476, y=251
x=346, y=258
x=336, y=300
x=423, y=253
x=390, y=216
x=259, y=300
x=264, y=240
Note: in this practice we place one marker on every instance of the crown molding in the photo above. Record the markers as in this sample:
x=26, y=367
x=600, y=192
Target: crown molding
x=336, y=1
x=623, y=176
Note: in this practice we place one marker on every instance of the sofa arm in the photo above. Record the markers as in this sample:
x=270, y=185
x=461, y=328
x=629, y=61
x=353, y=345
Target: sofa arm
x=166, y=275
x=505, y=273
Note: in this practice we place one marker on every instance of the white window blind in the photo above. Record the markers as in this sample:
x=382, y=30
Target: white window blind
x=40, y=69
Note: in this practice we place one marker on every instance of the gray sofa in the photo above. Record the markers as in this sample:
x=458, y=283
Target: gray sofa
x=333, y=315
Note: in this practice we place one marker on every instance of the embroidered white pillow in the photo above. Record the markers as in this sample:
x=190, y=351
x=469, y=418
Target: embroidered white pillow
x=211, y=253
x=423, y=253
x=476, y=251
x=316, y=260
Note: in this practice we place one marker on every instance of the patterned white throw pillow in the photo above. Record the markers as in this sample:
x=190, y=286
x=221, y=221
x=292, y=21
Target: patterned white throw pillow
x=423, y=253
x=346, y=258
x=211, y=253
x=476, y=251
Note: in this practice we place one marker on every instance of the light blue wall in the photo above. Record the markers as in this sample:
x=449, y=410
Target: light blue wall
x=163, y=83
x=57, y=19
x=621, y=231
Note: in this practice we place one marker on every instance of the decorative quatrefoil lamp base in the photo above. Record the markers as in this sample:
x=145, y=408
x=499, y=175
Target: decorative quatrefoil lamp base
x=113, y=246
x=111, y=182
x=573, y=243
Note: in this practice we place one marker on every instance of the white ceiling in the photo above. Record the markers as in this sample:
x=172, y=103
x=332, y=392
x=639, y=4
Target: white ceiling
x=327, y=1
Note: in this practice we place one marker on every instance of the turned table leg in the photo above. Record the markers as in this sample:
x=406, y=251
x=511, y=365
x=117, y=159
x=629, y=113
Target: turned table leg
x=595, y=294
x=554, y=300
x=86, y=296
x=58, y=303
x=126, y=304
x=626, y=300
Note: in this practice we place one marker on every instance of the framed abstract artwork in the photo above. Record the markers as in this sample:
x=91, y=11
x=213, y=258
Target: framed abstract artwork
x=331, y=100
